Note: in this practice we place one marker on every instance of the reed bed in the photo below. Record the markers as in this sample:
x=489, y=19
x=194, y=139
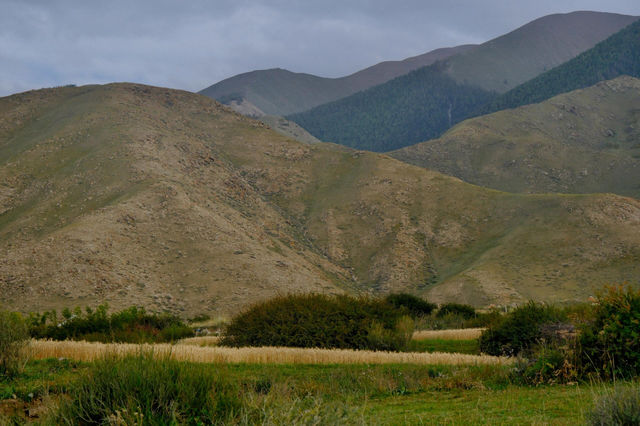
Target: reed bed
x=457, y=334
x=201, y=341
x=89, y=351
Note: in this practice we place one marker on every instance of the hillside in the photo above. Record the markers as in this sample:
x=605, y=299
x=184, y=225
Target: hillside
x=132, y=194
x=514, y=58
x=425, y=103
x=615, y=56
x=282, y=92
x=584, y=141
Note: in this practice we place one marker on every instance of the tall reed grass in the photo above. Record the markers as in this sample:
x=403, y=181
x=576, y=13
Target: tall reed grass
x=90, y=351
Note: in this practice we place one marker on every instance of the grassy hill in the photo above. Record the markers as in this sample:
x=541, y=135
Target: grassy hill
x=584, y=141
x=282, y=92
x=425, y=103
x=131, y=194
x=615, y=56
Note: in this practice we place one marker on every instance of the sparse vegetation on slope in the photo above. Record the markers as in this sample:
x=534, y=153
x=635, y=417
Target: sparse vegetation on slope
x=137, y=195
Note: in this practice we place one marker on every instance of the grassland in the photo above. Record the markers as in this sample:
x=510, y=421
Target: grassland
x=344, y=394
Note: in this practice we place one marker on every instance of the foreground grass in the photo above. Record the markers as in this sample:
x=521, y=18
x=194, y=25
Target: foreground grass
x=512, y=405
x=344, y=394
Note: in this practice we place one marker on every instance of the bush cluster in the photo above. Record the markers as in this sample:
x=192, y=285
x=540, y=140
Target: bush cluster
x=321, y=321
x=415, y=306
x=520, y=330
x=14, y=337
x=610, y=343
x=461, y=310
x=133, y=325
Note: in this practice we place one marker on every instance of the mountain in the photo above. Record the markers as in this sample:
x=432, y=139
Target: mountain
x=130, y=194
x=514, y=58
x=425, y=103
x=615, y=56
x=282, y=92
x=584, y=141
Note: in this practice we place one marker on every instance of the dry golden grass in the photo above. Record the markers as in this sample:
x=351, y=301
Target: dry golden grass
x=201, y=341
x=457, y=334
x=85, y=351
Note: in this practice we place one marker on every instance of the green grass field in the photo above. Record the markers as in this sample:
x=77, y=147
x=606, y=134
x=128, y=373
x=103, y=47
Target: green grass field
x=353, y=394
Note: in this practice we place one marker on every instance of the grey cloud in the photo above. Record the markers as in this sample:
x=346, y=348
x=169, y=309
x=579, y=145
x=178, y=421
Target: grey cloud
x=192, y=44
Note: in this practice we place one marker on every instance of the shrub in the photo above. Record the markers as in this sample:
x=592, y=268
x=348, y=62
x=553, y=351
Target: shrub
x=518, y=331
x=415, y=306
x=610, y=343
x=144, y=390
x=320, y=321
x=464, y=311
x=548, y=364
x=14, y=337
x=133, y=325
x=621, y=406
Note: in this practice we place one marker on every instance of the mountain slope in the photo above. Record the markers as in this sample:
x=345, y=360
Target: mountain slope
x=132, y=194
x=424, y=103
x=282, y=92
x=584, y=141
x=509, y=60
x=615, y=56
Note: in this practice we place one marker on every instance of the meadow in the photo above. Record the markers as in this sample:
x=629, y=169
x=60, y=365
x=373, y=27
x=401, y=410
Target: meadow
x=540, y=370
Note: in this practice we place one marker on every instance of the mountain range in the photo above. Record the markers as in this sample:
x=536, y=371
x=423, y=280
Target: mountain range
x=425, y=103
x=130, y=194
x=282, y=92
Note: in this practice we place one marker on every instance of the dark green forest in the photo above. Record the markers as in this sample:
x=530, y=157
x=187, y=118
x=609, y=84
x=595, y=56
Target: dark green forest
x=409, y=109
x=618, y=55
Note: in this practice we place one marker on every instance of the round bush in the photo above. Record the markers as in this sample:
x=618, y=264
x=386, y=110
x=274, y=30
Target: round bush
x=414, y=305
x=320, y=321
x=519, y=330
x=464, y=311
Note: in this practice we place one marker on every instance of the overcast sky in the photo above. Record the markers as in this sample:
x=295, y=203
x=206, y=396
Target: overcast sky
x=191, y=44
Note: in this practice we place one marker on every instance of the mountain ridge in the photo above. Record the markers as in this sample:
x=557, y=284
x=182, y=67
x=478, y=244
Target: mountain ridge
x=418, y=106
x=278, y=91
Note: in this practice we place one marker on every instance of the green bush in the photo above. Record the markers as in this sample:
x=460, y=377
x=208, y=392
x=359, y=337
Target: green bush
x=133, y=325
x=621, y=406
x=518, y=331
x=415, y=306
x=14, y=337
x=610, y=343
x=464, y=311
x=319, y=321
x=548, y=364
x=144, y=390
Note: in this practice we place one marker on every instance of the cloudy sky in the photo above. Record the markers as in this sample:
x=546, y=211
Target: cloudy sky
x=191, y=44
